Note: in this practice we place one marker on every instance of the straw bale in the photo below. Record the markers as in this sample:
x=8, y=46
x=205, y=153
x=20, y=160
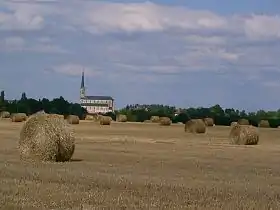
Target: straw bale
x=18, y=117
x=264, y=124
x=155, y=119
x=121, y=118
x=209, y=121
x=73, y=119
x=244, y=135
x=46, y=137
x=105, y=120
x=243, y=122
x=5, y=114
x=166, y=121
x=195, y=126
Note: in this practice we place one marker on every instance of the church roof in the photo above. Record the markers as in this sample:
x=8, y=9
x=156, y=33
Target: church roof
x=98, y=98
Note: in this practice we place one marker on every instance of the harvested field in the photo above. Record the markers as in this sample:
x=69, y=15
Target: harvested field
x=144, y=166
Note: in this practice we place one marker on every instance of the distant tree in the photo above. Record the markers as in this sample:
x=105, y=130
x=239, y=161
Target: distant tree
x=2, y=97
x=23, y=96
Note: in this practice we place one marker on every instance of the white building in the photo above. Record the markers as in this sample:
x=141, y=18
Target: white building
x=95, y=104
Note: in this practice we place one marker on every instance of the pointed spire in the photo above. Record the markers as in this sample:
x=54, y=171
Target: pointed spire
x=83, y=80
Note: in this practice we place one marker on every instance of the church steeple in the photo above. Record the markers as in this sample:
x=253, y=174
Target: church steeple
x=82, y=89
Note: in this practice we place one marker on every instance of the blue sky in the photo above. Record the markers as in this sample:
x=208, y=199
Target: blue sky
x=182, y=53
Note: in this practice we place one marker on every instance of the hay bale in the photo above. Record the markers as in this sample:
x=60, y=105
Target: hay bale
x=73, y=119
x=18, y=117
x=57, y=115
x=166, y=121
x=46, y=137
x=121, y=118
x=89, y=117
x=243, y=122
x=147, y=121
x=244, y=135
x=195, y=126
x=5, y=114
x=264, y=124
x=208, y=121
x=105, y=120
x=155, y=119
x=233, y=123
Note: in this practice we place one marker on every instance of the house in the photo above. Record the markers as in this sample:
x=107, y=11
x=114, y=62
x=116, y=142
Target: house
x=95, y=104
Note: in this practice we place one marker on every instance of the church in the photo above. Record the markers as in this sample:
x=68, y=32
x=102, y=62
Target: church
x=95, y=104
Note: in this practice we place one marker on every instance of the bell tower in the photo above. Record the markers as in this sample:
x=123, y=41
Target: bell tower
x=83, y=89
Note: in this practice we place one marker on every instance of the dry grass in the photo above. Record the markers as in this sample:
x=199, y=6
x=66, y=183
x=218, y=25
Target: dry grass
x=144, y=166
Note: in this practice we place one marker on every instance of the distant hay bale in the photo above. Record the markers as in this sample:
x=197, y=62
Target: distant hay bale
x=147, y=121
x=89, y=117
x=46, y=137
x=233, y=123
x=18, y=117
x=121, y=118
x=57, y=115
x=5, y=114
x=264, y=124
x=154, y=119
x=243, y=122
x=41, y=112
x=209, y=121
x=105, y=120
x=166, y=121
x=243, y=135
x=73, y=119
x=195, y=126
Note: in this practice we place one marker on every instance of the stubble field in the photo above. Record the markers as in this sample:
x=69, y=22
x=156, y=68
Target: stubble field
x=144, y=166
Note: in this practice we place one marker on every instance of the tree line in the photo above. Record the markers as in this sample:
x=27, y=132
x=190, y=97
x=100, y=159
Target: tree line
x=221, y=116
x=140, y=112
x=31, y=106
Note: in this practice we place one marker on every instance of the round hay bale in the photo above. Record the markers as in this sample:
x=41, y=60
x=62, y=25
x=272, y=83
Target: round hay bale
x=105, y=120
x=154, y=119
x=165, y=121
x=264, y=124
x=209, y=121
x=244, y=135
x=89, y=117
x=195, y=126
x=147, y=121
x=73, y=119
x=233, y=123
x=5, y=114
x=243, y=122
x=46, y=138
x=18, y=117
x=57, y=115
x=121, y=118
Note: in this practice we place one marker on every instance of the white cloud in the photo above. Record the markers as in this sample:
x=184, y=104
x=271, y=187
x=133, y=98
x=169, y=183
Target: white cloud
x=18, y=44
x=185, y=40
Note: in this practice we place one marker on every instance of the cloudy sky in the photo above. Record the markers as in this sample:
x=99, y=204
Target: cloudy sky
x=176, y=52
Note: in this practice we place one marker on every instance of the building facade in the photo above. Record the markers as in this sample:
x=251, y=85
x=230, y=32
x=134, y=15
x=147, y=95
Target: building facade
x=95, y=104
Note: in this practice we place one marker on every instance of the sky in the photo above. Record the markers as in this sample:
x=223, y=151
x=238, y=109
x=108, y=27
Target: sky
x=184, y=53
